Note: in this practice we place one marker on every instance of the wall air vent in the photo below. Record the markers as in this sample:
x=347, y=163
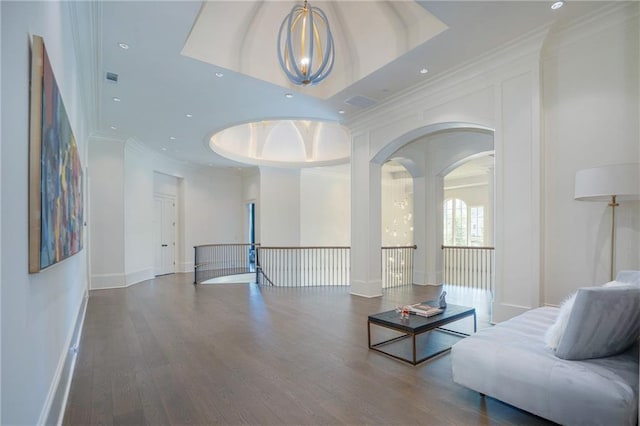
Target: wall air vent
x=112, y=77
x=360, y=101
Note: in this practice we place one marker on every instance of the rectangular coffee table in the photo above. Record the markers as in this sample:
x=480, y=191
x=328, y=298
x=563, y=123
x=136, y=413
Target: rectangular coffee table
x=423, y=346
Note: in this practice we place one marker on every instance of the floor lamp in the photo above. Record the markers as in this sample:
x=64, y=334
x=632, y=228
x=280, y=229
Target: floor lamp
x=618, y=182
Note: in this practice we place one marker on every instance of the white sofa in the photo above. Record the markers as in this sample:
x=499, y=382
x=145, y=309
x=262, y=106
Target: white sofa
x=511, y=362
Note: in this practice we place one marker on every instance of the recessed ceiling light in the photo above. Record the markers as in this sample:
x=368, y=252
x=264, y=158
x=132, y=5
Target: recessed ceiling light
x=124, y=46
x=341, y=111
x=424, y=71
x=188, y=115
x=116, y=99
x=114, y=128
x=219, y=75
x=173, y=138
x=164, y=149
x=557, y=5
x=288, y=95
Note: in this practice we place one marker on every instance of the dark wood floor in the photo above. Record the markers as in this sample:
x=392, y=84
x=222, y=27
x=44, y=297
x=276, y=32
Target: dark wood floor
x=166, y=352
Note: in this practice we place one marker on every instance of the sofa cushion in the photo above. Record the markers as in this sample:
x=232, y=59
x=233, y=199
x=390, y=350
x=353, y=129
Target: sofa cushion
x=604, y=321
x=629, y=277
x=555, y=332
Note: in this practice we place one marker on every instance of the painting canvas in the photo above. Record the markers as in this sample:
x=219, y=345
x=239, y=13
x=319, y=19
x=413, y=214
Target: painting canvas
x=55, y=171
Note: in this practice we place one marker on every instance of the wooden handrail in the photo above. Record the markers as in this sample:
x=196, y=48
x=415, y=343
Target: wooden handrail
x=305, y=247
x=228, y=244
x=469, y=247
x=415, y=247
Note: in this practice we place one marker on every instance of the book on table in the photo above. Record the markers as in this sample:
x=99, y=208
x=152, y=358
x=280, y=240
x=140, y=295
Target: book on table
x=424, y=310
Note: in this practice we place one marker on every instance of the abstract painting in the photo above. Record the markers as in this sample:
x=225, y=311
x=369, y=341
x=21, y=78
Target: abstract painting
x=55, y=171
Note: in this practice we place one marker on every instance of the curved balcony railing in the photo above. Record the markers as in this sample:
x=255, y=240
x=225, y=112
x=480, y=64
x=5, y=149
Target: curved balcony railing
x=218, y=260
x=297, y=266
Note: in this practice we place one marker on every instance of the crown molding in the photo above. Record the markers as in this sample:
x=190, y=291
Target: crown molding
x=106, y=135
x=160, y=161
x=105, y=138
x=339, y=171
x=458, y=81
x=86, y=31
x=608, y=16
x=133, y=144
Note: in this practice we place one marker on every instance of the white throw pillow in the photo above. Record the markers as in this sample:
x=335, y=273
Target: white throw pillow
x=604, y=321
x=615, y=284
x=554, y=333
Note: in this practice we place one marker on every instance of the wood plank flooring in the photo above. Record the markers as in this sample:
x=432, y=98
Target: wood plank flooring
x=166, y=352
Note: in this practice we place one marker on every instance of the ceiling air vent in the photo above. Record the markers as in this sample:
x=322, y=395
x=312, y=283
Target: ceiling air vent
x=112, y=77
x=360, y=101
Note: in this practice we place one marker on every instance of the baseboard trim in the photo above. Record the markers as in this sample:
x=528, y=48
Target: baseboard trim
x=138, y=276
x=367, y=296
x=504, y=311
x=53, y=410
x=185, y=267
x=104, y=281
x=366, y=288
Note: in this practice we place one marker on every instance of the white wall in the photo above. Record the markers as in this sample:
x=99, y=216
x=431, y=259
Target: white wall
x=251, y=194
x=325, y=217
x=138, y=215
x=165, y=184
x=106, y=212
x=39, y=311
x=591, y=94
x=279, y=207
x=306, y=207
x=209, y=211
x=213, y=207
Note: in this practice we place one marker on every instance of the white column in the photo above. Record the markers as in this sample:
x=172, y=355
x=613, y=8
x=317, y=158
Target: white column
x=434, y=193
x=419, y=231
x=488, y=213
x=366, y=269
x=517, y=214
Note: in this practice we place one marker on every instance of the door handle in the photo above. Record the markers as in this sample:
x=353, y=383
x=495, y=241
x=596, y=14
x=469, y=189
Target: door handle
x=165, y=245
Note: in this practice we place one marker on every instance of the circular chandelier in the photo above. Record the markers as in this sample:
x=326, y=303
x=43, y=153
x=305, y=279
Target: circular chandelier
x=305, y=45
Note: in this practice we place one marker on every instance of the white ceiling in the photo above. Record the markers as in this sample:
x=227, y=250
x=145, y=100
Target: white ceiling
x=367, y=35
x=158, y=85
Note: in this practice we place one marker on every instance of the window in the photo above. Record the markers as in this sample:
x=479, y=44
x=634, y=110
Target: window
x=477, y=225
x=455, y=223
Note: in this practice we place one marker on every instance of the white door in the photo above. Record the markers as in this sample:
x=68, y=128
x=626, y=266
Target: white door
x=164, y=235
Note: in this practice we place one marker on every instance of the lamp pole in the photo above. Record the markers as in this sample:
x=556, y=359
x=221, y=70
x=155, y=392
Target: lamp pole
x=613, y=204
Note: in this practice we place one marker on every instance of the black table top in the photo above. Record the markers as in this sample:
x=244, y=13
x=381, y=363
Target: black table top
x=417, y=323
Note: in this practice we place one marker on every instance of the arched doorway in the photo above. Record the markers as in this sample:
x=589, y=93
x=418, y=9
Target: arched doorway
x=468, y=261
x=432, y=155
x=397, y=215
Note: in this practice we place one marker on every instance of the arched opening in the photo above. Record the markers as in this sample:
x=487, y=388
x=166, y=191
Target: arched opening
x=468, y=207
x=397, y=205
x=468, y=263
x=437, y=154
x=396, y=212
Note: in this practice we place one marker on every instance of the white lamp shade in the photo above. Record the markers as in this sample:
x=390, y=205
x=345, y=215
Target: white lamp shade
x=600, y=183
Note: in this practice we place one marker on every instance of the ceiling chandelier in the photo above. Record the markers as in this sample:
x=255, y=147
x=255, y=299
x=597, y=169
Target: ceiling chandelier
x=305, y=45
